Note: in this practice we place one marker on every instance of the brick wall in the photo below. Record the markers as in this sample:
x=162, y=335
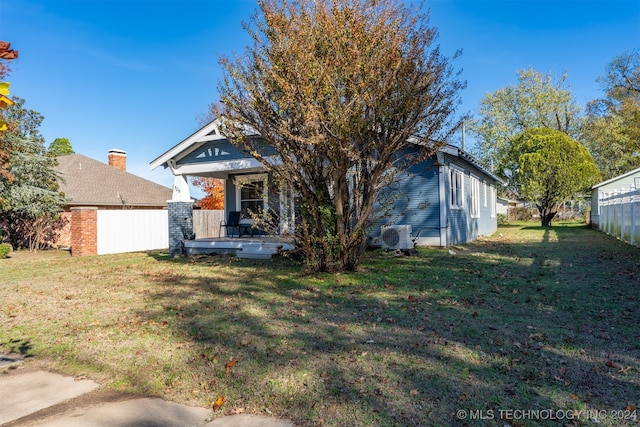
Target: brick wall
x=180, y=225
x=84, y=231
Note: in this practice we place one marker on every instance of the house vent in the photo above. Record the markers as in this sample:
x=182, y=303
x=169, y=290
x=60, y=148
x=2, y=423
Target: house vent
x=396, y=237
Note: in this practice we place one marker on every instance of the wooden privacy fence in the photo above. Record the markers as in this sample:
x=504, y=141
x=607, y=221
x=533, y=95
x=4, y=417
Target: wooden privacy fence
x=620, y=215
x=206, y=223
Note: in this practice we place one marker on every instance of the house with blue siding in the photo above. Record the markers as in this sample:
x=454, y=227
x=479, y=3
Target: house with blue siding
x=448, y=199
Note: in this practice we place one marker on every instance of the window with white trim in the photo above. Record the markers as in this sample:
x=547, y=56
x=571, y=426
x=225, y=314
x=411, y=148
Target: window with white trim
x=456, y=180
x=252, y=194
x=475, y=197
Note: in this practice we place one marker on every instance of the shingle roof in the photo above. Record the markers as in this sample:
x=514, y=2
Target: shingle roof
x=88, y=182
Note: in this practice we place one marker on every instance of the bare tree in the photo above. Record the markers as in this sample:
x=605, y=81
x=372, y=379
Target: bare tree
x=344, y=94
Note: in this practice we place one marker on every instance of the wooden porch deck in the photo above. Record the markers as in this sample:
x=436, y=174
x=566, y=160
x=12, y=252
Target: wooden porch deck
x=242, y=247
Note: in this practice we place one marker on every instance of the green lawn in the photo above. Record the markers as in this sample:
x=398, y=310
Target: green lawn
x=531, y=326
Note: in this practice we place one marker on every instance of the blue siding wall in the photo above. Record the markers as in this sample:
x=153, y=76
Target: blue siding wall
x=487, y=225
x=230, y=203
x=461, y=227
x=459, y=224
x=415, y=198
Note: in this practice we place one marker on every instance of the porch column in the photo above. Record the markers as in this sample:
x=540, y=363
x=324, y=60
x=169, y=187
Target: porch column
x=181, y=189
x=180, y=225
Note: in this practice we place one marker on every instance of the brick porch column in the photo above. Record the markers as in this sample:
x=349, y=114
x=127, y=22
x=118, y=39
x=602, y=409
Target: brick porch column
x=84, y=231
x=180, y=225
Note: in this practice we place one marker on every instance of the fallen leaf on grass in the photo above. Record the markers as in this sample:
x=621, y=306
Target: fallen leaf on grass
x=217, y=403
x=230, y=365
x=612, y=364
x=236, y=411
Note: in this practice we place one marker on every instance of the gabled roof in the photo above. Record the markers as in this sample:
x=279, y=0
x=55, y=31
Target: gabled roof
x=88, y=182
x=459, y=152
x=211, y=132
x=624, y=175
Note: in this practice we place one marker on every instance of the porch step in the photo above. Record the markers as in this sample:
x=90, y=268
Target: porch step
x=258, y=251
x=256, y=248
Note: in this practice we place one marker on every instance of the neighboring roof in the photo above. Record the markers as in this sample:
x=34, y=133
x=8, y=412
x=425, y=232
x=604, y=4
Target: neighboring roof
x=88, y=182
x=624, y=175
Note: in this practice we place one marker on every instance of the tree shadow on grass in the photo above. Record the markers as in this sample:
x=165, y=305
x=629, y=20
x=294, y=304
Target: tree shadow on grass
x=412, y=341
x=20, y=347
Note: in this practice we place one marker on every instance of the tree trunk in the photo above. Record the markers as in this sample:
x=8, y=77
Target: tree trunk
x=546, y=218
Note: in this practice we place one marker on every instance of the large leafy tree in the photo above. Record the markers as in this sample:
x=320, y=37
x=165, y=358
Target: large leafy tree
x=611, y=128
x=536, y=101
x=336, y=89
x=60, y=147
x=548, y=168
x=214, y=190
x=32, y=202
x=6, y=54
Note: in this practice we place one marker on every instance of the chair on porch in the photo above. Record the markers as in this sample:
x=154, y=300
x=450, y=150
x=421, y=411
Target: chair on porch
x=233, y=221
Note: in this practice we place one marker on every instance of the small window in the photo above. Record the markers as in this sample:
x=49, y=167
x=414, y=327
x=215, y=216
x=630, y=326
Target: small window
x=252, y=198
x=456, y=179
x=251, y=195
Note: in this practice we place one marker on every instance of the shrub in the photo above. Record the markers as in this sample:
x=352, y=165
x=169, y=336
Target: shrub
x=5, y=248
x=502, y=219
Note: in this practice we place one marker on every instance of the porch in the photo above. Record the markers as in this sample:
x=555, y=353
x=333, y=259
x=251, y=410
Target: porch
x=242, y=247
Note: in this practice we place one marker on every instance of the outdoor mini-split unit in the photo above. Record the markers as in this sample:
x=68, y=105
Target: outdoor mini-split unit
x=397, y=237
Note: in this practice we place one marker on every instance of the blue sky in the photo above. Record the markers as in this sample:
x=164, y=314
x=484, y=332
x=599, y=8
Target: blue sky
x=136, y=74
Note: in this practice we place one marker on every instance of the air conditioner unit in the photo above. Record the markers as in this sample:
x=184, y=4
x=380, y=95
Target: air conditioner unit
x=396, y=237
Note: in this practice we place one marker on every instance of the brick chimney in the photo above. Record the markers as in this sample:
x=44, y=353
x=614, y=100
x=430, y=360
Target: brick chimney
x=118, y=159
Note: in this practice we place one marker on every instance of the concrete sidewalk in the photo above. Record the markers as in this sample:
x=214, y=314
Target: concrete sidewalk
x=40, y=398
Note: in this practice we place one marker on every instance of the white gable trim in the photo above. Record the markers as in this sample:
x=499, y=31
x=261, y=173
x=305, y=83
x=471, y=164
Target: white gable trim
x=210, y=132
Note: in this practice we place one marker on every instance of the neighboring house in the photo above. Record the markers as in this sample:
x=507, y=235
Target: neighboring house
x=504, y=206
x=513, y=209
x=448, y=199
x=89, y=183
x=615, y=186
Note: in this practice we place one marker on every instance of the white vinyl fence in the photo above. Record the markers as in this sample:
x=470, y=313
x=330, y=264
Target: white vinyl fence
x=131, y=230
x=620, y=215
